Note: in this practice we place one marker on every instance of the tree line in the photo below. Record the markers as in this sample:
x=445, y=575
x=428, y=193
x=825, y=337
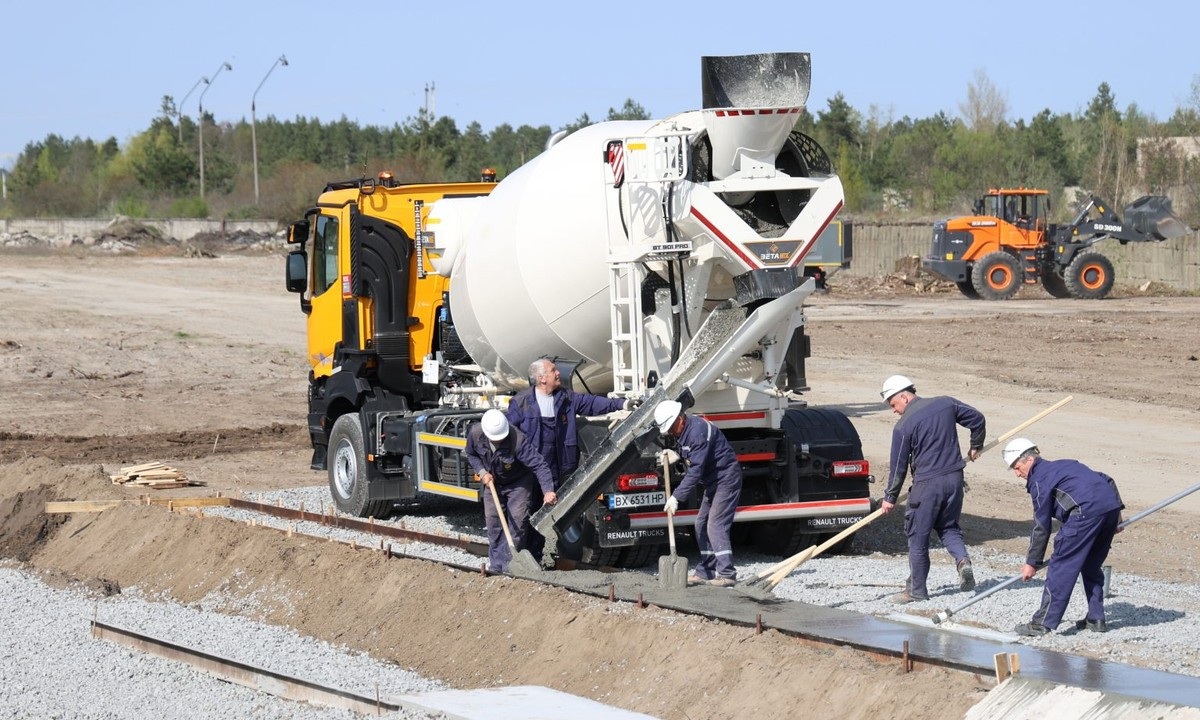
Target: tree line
x=890, y=168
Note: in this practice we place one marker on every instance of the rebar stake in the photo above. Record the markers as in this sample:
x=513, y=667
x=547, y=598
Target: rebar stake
x=640, y=603
x=758, y=624
x=612, y=592
x=905, y=660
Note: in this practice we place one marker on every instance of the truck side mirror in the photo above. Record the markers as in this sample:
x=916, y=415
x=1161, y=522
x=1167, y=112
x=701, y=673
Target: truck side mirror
x=297, y=271
x=297, y=232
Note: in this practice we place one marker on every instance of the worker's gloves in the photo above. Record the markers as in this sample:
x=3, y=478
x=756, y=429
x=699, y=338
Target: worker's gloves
x=671, y=506
x=632, y=403
x=669, y=457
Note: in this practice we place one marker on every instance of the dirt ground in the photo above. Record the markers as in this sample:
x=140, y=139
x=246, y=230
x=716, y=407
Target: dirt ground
x=199, y=362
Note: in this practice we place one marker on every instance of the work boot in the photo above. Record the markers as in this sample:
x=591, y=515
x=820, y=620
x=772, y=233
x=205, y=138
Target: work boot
x=722, y=582
x=1093, y=625
x=1031, y=629
x=904, y=598
x=966, y=576
x=695, y=579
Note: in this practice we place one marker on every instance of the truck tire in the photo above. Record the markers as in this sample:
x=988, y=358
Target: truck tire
x=997, y=276
x=581, y=542
x=783, y=537
x=348, y=470
x=966, y=288
x=1089, y=276
x=1055, y=285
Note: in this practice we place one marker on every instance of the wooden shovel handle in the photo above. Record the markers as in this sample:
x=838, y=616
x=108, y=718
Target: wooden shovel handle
x=503, y=521
x=670, y=517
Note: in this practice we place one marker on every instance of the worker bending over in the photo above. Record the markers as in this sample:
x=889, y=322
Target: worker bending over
x=713, y=465
x=503, y=455
x=1088, y=505
x=925, y=440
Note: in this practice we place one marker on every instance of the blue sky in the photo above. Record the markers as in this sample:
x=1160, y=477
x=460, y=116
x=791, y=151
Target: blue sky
x=97, y=70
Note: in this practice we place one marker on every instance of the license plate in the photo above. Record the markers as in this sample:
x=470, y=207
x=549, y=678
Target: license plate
x=632, y=500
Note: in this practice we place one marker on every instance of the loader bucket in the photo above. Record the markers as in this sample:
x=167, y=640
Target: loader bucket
x=1153, y=216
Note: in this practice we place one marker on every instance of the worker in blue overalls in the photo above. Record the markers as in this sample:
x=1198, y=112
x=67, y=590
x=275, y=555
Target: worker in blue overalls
x=925, y=439
x=713, y=465
x=502, y=455
x=546, y=413
x=1088, y=505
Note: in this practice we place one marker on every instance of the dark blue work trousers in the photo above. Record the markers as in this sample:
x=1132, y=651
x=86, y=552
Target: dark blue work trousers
x=714, y=522
x=1080, y=549
x=514, y=497
x=934, y=505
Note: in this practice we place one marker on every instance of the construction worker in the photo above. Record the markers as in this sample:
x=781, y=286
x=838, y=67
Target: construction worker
x=545, y=412
x=502, y=455
x=713, y=465
x=925, y=440
x=1088, y=505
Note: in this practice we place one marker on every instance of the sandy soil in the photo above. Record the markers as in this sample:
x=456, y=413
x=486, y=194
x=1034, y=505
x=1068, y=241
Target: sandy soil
x=199, y=362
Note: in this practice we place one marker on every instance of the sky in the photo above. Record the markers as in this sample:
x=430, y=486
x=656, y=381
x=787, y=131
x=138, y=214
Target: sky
x=100, y=70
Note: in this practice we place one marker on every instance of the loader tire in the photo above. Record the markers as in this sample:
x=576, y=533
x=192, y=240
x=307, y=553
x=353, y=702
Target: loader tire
x=348, y=471
x=997, y=276
x=1055, y=285
x=1089, y=276
x=966, y=288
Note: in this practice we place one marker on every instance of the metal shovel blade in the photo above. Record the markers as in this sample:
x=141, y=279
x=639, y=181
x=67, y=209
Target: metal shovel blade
x=672, y=572
x=523, y=564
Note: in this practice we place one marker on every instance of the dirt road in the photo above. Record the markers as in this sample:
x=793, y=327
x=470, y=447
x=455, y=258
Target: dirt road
x=200, y=362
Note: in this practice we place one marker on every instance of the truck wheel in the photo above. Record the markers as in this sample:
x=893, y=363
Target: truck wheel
x=783, y=537
x=348, y=470
x=1055, y=285
x=966, y=288
x=997, y=276
x=1089, y=276
x=581, y=542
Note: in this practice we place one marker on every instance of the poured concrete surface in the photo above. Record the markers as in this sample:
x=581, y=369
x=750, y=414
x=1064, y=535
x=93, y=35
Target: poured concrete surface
x=938, y=644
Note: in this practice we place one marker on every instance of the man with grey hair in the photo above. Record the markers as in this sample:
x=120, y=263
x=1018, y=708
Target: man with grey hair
x=545, y=412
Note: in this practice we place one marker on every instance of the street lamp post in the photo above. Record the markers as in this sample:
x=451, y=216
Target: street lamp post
x=179, y=108
x=224, y=66
x=282, y=60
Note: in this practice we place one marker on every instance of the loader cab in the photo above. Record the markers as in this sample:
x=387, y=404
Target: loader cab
x=1025, y=209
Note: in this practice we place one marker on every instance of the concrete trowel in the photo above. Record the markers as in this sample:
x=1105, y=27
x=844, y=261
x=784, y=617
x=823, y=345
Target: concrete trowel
x=672, y=569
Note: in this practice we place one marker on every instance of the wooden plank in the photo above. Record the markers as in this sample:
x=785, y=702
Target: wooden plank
x=59, y=507
x=1002, y=670
x=143, y=466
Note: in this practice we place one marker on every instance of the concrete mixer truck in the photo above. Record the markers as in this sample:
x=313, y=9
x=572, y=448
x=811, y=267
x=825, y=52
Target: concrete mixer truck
x=651, y=259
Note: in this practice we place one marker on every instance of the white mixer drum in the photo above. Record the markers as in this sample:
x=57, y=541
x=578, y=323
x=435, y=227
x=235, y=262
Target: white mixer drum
x=532, y=276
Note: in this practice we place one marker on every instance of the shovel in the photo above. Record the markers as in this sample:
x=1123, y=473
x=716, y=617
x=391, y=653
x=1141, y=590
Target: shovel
x=775, y=574
x=945, y=614
x=522, y=563
x=672, y=569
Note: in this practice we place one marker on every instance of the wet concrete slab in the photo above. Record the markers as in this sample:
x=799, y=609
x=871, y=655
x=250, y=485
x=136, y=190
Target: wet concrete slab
x=940, y=644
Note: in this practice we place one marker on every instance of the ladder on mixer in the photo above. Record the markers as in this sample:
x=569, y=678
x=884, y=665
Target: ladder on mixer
x=627, y=339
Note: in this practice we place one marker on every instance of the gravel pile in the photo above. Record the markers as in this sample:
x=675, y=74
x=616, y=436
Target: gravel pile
x=1150, y=623
x=53, y=668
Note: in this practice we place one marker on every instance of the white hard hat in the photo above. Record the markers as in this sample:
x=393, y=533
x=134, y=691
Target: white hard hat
x=665, y=414
x=1016, y=448
x=893, y=385
x=495, y=425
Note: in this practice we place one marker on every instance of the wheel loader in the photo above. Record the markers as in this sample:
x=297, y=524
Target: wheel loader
x=1009, y=242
